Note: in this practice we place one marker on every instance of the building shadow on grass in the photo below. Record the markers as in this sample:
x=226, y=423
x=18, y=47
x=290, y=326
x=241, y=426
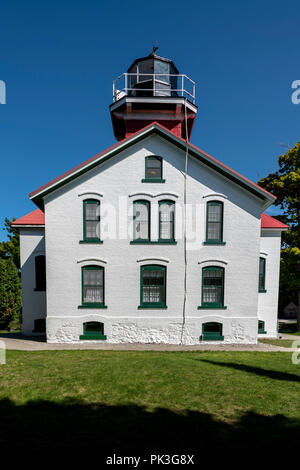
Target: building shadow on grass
x=271, y=374
x=72, y=426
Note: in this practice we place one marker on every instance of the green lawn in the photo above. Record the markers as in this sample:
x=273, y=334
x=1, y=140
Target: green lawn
x=145, y=402
x=284, y=343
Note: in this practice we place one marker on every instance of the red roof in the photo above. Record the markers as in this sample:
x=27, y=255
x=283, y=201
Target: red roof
x=159, y=126
x=269, y=222
x=36, y=217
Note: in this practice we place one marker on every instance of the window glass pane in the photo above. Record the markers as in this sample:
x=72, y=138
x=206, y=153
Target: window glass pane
x=94, y=327
x=212, y=327
x=261, y=273
x=213, y=231
x=214, y=221
x=93, y=285
x=212, y=286
x=141, y=221
x=153, y=168
x=91, y=211
x=153, y=285
x=166, y=221
x=214, y=213
x=92, y=229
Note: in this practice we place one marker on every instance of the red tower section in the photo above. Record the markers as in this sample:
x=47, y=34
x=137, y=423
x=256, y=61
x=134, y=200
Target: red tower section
x=153, y=90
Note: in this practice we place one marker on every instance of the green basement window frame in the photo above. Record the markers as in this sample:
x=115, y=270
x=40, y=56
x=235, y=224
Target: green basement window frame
x=93, y=330
x=261, y=327
x=153, y=287
x=212, y=331
x=153, y=170
x=141, y=221
x=92, y=288
x=212, y=288
x=262, y=275
x=40, y=273
x=91, y=221
x=166, y=221
x=214, y=223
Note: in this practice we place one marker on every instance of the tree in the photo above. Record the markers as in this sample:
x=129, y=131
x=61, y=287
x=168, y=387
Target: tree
x=10, y=292
x=285, y=185
x=11, y=247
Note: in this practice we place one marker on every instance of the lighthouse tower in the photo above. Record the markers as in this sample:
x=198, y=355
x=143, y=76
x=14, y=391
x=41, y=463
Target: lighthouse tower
x=151, y=90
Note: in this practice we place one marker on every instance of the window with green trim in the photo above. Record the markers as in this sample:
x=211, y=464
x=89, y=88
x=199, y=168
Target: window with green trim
x=212, y=331
x=214, y=222
x=141, y=220
x=262, y=275
x=92, y=286
x=261, y=327
x=166, y=221
x=93, y=330
x=91, y=220
x=40, y=273
x=153, y=286
x=213, y=287
x=153, y=169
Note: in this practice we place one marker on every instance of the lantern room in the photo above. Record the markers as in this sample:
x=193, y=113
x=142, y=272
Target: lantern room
x=151, y=90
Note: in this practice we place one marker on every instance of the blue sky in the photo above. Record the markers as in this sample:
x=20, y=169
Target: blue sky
x=58, y=60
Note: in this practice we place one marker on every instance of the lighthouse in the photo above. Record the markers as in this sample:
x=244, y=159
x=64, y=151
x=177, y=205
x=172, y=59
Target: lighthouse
x=152, y=90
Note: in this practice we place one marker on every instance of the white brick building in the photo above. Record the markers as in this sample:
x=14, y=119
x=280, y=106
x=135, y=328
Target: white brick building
x=126, y=259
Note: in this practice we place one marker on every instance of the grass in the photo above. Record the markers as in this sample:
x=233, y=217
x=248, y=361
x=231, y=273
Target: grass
x=146, y=402
x=284, y=343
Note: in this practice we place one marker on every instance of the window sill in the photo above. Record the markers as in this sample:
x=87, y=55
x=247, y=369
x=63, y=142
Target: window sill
x=211, y=338
x=91, y=241
x=92, y=306
x=201, y=307
x=153, y=180
x=212, y=242
x=262, y=291
x=93, y=337
x=149, y=242
x=262, y=332
x=141, y=307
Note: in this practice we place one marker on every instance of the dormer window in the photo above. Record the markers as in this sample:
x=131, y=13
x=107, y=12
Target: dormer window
x=153, y=170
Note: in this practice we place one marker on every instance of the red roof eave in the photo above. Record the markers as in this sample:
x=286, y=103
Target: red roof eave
x=36, y=217
x=270, y=222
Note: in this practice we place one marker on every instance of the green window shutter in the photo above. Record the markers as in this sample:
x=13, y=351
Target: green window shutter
x=92, y=278
x=141, y=220
x=262, y=275
x=153, y=286
x=93, y=330
x=40, y=273
x=214, y=222
x=91, y=220
x=166, y=221
x=213, y=287
x=212, y=331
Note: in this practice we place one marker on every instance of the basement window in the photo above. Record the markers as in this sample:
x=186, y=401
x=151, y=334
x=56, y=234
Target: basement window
x=93, y=330
x=212, y=331
x=261, y=327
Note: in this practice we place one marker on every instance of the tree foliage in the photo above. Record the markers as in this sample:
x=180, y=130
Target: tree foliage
x=10, y=292
x=11, y=247
x=285, y=185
